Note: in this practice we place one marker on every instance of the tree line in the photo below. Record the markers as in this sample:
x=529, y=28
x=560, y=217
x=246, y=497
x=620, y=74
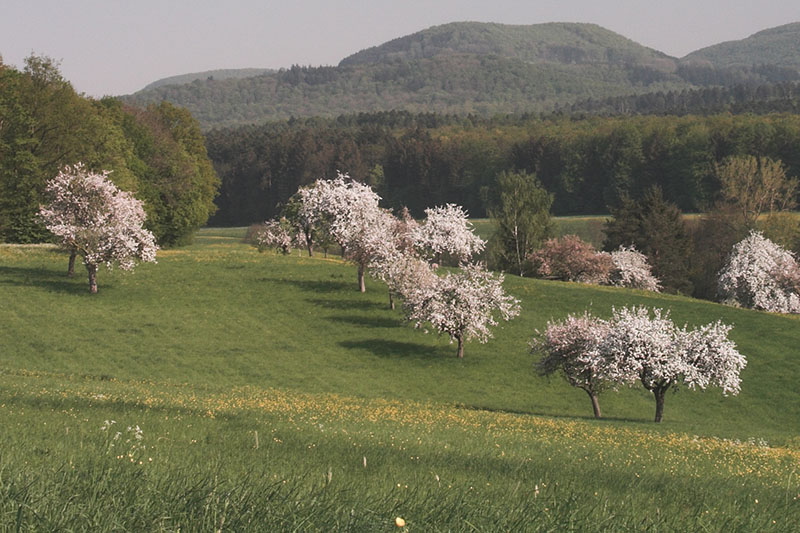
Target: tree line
x=158, y=153
x=588, y=164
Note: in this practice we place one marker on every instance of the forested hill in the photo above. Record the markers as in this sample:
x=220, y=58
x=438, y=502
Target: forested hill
x=778, y=46
x=220, y=74
x=562, y=43
x=463, y=68
x=481, y=69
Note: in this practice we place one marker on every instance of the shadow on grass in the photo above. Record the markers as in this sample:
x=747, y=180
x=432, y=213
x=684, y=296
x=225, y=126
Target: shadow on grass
x=370, y=322
x=47, y=279
x=534, y=412
x=344, y=304
x=387, y=348
x=316, y=286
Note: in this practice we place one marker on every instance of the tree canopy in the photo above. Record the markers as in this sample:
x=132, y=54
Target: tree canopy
x=158, y=152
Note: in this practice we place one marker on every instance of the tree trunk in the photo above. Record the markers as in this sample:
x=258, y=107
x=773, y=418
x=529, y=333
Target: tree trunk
x=73, y=253
x=659, y=393
x=92, y=269
x=310, y=246
x=595, y=404
x=460, y=347
x=361, y=285
x=391, y=300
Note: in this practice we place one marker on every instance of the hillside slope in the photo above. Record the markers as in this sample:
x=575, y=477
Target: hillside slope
x=219, y=74
x=779, y=46
x=565, y=43
x=219, y=315
x=483, y=69
x=462, y=68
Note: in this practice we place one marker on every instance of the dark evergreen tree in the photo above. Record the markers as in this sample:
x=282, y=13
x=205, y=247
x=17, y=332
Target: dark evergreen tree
x=657, y=229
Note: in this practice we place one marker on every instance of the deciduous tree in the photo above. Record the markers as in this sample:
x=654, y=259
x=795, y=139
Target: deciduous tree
x=652, y=350
x=463, y=304
x=632, y=270
x=572, y=347
x=446, y=230
x=90, y=215
x=758, y=275
x=521, y=215
x=571, y=259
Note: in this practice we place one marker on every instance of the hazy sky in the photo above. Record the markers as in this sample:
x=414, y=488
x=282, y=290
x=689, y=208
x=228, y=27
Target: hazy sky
x=118, y=47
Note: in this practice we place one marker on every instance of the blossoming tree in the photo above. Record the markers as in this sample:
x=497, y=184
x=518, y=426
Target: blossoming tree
x=632, y=270
x=96, y=220
x=571, y=259
x=661, y=356
x=393, y=258
x=353, y=218
x=463, y=304
x=275, y=234
x=760, y=274
x=447, y=230
x=572, y=347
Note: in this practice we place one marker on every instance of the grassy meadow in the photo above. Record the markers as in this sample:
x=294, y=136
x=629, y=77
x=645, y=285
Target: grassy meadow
x=269, y=394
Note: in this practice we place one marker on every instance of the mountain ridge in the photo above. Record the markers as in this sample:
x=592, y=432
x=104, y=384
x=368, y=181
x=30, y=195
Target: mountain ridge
x=779, y=46
x=472, y=67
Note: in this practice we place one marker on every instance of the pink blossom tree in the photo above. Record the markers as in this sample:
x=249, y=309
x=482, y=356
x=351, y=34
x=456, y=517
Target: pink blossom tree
x=661, y=356
x=760, y=274
x=571, y=259
x=572, y=347
x=447, y=230
x=463, y=304
x=94, y=219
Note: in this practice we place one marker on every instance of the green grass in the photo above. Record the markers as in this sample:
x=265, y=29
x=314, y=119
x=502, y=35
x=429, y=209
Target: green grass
x=217, y=342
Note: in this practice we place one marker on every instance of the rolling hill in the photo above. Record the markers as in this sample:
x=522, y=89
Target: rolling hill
x=219, y=74
x=778, y=46
x=477, y=68
x=227, y=389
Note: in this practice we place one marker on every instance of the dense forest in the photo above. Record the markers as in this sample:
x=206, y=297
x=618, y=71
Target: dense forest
x=157, y=152
x=588, y=163
x=482, y=69
x=737, y=99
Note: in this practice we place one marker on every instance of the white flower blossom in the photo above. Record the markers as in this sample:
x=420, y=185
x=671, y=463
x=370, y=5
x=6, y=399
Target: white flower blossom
x=463, y=304
x=752, y=276
x=91, y=216
x=632, y=270
x=447, y=229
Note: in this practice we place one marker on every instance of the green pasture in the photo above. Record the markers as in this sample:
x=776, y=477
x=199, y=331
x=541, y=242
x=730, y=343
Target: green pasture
x=263, y=383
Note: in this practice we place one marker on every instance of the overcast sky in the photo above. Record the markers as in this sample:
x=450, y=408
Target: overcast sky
x=117, y=47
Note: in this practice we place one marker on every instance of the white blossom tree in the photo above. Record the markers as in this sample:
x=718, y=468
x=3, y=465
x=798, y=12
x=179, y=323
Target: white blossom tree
x=632, y=270
x=463, y=304
x=275, y=234
x=759, y=274
x=305, y=212
x=661, y=356
x=446, y=230
x=393, y=257
x=353, y=219
x=403, y=272
x=572, y=347
x=96, y=220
